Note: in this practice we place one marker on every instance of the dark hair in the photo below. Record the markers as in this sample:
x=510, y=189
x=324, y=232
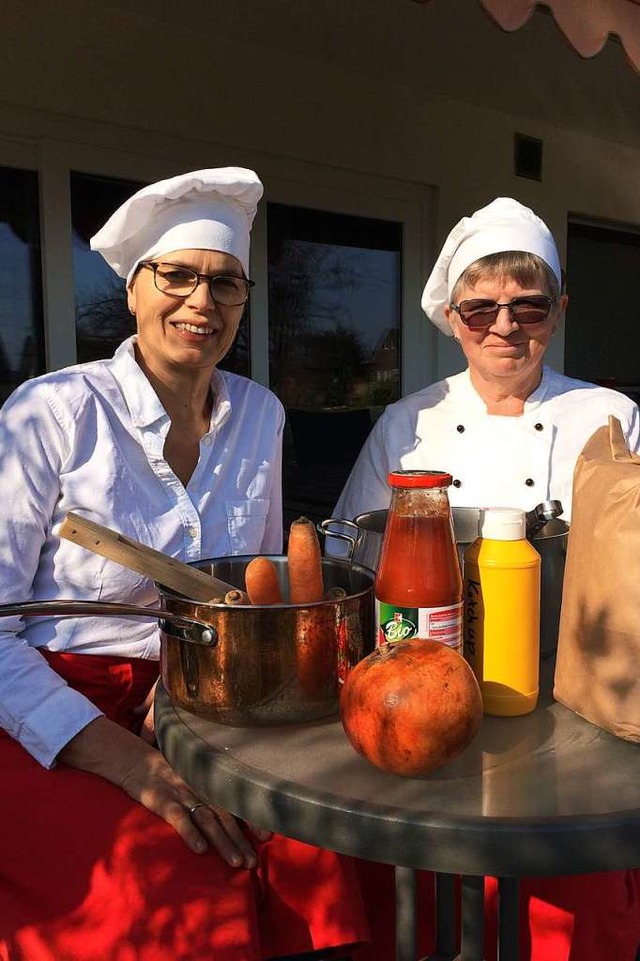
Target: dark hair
x=527, y=269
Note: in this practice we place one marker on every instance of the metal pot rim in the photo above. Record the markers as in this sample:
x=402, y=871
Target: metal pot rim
x=329, y=562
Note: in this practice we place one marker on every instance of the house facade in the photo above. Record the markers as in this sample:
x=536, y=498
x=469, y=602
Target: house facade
x=374, y=124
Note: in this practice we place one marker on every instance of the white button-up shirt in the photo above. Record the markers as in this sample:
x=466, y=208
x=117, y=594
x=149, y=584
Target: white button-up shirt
x=90, y=439
x=494, y=460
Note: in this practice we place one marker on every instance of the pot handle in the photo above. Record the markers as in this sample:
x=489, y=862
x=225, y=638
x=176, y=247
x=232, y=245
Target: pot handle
x=181, y=625
x=324, y=528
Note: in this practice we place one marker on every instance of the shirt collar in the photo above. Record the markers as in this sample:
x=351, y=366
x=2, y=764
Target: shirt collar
x=141, y=399
x=534, y=400
x=475, y=402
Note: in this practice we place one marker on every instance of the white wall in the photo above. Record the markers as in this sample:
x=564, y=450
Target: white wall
x=95, y=87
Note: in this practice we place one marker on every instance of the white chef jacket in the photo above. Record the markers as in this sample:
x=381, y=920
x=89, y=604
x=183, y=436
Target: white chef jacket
x=90, y=439
x=494, y=460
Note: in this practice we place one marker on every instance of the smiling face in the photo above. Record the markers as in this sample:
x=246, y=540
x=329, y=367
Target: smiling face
x=505, y=352
x=184, y=332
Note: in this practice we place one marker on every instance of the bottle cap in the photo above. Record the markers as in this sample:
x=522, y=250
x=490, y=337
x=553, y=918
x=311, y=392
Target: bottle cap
x=503, y=524
x=419, y=478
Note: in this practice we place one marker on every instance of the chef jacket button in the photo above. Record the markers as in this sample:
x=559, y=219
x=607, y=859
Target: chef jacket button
x=529, y=482
x=192, y=531
x=207, y=440
x=460, y=428
x=457, y=483
x=538, y=426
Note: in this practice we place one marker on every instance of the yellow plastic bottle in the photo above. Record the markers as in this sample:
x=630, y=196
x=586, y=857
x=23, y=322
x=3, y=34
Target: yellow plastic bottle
x=502, y=613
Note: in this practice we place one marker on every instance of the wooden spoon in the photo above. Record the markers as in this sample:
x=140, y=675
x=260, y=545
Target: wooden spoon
x=145, y=560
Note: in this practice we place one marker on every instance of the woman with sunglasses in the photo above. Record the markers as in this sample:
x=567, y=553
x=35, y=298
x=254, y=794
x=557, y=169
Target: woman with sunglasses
x=107, y=855
x=509, y=429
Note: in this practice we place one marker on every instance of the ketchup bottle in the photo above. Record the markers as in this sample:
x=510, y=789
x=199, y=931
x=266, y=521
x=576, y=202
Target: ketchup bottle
x=419, y=585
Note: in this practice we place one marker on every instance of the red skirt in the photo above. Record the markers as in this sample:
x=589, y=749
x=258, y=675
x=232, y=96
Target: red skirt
x=87, y=874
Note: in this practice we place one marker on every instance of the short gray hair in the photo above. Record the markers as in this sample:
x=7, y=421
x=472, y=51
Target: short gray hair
x=527, y=269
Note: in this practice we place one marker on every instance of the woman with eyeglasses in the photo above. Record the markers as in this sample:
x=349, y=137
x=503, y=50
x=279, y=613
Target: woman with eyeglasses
x=509, y=429
x=106, y=854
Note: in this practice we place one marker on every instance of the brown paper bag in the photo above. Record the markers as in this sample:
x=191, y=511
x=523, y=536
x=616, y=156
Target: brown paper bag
x=598, y=663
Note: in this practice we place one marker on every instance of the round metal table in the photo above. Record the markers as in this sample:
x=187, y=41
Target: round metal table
x=543, y=794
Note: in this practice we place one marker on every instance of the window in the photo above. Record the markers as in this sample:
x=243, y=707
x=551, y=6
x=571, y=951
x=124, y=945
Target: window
x=334, y=308
x=602, y=338
x=21, y=316
x=103, y=320
x=334, y=342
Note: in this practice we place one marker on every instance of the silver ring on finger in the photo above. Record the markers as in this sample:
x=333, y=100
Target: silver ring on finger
x=194, y=807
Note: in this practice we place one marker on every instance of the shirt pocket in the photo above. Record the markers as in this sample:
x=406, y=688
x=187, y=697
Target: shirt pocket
x=246, y=523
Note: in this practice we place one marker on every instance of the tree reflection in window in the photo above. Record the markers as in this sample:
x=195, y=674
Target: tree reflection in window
x=334, y=339
x=21, y=315
x=334, y=308
x=103, y=320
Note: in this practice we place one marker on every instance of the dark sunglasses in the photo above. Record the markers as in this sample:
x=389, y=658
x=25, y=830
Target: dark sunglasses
x=477, y=314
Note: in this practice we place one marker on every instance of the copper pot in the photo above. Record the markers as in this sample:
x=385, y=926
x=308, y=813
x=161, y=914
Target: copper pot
x=251, y=665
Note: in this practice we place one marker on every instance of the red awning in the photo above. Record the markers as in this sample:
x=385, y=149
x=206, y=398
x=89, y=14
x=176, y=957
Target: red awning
x=585, y=23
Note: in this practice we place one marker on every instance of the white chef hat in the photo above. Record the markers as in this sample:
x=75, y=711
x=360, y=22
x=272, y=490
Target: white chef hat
x=202, y=210
x=502, y=225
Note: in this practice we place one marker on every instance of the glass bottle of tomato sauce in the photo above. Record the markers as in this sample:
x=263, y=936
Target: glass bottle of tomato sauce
x=419, y=585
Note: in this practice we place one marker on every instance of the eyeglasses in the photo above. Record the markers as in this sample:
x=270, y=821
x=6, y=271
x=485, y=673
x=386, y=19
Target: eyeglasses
x=180, y=281
x=476, y=314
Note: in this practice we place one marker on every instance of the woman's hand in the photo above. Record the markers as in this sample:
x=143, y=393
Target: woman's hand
x=106, y=749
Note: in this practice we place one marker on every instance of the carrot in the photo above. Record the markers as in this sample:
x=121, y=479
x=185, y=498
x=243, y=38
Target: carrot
x=315, y=647
x=261, y=580
x=236, y=598
x=305, y=563
x=317, y=652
